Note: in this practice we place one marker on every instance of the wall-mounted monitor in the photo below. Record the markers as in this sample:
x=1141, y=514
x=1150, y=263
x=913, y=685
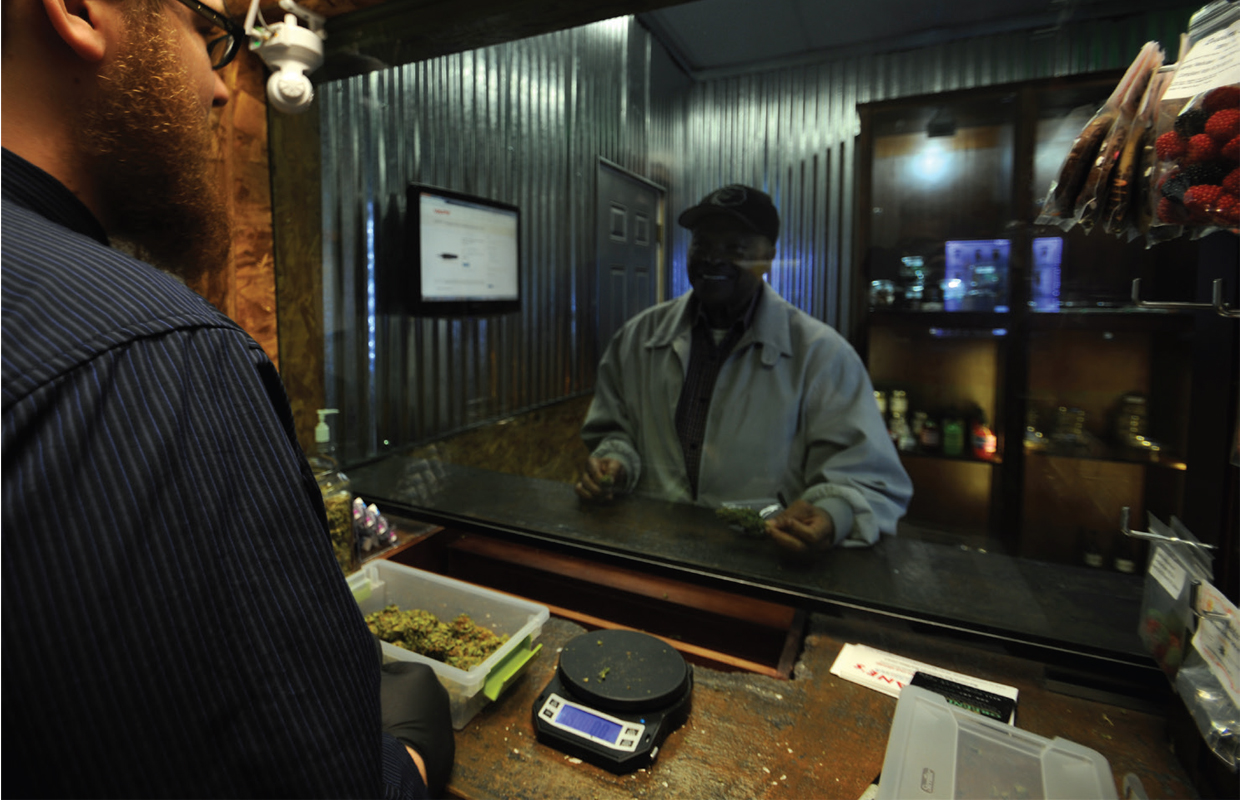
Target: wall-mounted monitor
x=463, y=255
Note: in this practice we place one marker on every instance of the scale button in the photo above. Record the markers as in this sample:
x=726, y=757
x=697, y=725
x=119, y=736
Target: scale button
x=553, y=703
x=630, y=731
x=626, y=742
x=548, y=713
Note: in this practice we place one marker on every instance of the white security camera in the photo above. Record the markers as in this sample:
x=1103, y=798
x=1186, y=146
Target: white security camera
x=291, y=51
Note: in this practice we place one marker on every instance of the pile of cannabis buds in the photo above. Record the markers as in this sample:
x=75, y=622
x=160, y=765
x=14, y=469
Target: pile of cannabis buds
x=463, y=644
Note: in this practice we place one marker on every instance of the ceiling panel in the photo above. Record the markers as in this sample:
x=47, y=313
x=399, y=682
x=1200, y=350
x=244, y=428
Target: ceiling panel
x=713, y=37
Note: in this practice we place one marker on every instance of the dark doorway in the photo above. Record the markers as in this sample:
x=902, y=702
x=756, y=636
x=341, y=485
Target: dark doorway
x=628, y=226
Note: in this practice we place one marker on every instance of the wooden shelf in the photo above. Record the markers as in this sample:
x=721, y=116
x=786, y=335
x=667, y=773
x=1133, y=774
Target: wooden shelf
x=1117, y=319
x=998, y=460
x=1165, y=462
x=964, y=321
x=985, y=323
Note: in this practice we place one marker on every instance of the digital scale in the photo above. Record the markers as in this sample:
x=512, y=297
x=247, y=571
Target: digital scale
x=614, y=698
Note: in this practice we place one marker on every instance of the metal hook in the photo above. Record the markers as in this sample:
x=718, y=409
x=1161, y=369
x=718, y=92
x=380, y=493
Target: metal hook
x=1155, y=537
x=1216, y=301
x=1215, y=617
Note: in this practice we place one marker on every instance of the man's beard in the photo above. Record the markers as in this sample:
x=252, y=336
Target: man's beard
x=150, y=146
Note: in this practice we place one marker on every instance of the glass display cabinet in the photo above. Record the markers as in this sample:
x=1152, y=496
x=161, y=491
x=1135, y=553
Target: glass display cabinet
x=1035, y=400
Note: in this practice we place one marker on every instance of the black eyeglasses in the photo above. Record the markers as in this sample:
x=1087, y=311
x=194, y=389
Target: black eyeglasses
x=222, y=48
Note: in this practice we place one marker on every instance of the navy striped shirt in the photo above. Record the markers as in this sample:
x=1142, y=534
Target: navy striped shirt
x=174, y=620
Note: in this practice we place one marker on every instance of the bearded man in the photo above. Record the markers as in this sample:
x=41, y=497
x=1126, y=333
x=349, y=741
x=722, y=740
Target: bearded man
x=174, y=619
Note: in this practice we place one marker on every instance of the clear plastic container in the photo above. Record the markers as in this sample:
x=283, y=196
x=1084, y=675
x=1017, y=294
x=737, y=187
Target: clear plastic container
x=338, y=500
x=936, y=750
x=382, y=583
x=337, y=495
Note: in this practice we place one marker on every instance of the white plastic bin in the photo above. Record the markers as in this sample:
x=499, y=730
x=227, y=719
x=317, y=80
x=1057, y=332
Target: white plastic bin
x=382, y=583
x=937, y=750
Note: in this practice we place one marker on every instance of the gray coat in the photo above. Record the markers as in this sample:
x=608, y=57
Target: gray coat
x=793, y=412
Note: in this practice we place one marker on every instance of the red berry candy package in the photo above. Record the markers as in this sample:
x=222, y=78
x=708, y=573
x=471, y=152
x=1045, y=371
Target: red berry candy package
x=1197, y=142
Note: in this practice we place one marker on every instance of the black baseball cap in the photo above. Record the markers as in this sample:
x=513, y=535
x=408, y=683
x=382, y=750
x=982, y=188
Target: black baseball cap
x=753, y=208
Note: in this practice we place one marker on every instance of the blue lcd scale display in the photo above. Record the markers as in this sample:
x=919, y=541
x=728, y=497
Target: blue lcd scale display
x=589, y=724
x=581, y=722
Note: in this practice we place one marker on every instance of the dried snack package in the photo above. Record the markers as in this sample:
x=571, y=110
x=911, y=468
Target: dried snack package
x=1198, y=138
x=1092, y=199
x=1059, y=206
x=1130, y=180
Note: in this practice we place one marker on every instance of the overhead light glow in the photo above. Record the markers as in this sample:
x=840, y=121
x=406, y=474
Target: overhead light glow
x=615, y=24
x=932, y=162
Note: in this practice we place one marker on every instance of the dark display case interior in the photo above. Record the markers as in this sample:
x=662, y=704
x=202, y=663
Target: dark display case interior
x=1037, y=401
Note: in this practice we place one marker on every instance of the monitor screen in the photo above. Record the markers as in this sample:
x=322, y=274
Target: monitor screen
x=463, y=254
x=1047, y=258
x=976, y=275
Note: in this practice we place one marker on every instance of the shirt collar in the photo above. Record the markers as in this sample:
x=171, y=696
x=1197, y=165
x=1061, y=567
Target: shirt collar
x=32, y=188
x=698, y=315
x=770, y=317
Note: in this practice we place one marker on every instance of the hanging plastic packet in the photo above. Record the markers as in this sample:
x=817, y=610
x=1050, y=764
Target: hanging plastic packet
x=1059, y=207
x=1198, y=132
x=1130, y=181
x=1166, y=605
x=1092, y=199
x=1209, y=681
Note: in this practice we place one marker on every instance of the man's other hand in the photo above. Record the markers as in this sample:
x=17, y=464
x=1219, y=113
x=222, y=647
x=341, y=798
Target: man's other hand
x=600, y=479
x=417, y=711
x=802, y=528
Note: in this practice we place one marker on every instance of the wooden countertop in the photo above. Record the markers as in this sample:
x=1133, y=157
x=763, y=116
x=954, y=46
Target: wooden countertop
x=815, y=736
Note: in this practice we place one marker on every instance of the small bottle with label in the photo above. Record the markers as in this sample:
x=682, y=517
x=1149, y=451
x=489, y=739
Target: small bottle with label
x=918, y=425
x=930, y=437
x=901, y=432
x=953, y=436
x=982, y=441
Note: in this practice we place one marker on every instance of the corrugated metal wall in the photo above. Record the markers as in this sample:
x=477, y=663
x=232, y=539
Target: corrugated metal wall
x=526, y=123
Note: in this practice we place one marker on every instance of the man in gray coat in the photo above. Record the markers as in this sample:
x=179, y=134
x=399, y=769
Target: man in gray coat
x=730, y=393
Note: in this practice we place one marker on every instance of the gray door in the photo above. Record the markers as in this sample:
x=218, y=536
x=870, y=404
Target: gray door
x=628, y=247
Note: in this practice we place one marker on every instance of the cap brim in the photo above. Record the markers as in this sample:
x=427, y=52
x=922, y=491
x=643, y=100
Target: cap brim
x=692, y=217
